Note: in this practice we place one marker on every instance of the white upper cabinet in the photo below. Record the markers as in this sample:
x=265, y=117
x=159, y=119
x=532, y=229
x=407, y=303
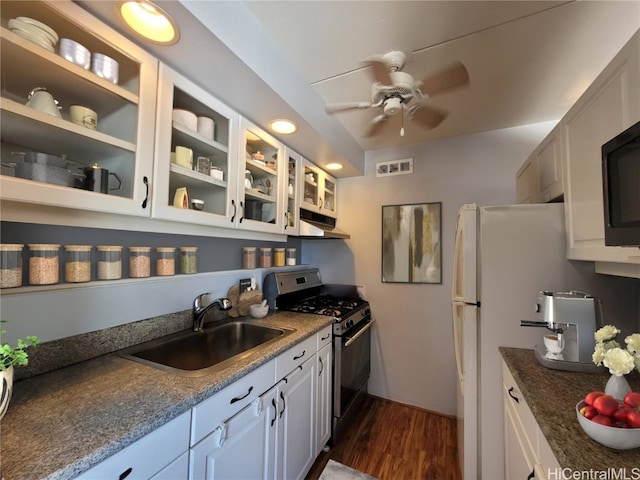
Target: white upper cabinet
x=211, y=173
x=122, y=143
x=318, y=190
x=609, y=106
x=292, y=191
x=539, y=179
x=260, y=204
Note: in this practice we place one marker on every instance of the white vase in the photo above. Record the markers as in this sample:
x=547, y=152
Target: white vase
x=6, y=388
x=617, y=386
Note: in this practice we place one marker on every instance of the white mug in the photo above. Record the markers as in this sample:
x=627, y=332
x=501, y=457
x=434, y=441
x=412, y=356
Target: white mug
x=83, y=116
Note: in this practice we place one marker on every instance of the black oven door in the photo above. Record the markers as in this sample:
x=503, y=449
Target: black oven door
x=352, y=365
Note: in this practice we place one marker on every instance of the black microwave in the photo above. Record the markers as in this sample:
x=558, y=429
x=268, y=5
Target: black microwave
x=621, y=188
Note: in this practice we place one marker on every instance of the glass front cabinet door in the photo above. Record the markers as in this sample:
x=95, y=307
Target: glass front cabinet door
x=292, y=192
x=196, y=169
x=261, y=188
x=318, y=190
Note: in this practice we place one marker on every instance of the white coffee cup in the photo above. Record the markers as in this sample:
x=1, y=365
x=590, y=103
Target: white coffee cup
x=554, y=343
x=206, y=127
x=184, y=157
x=83, y=116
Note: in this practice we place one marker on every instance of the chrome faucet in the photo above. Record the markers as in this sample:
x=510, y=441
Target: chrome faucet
x=199, y=310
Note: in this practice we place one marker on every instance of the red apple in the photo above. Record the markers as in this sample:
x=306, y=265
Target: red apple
x=633, y=418
x=632, y=399
x=591, y=396
x=606, y=405
x=620, y=415
x=588, y=412
x=603, y=420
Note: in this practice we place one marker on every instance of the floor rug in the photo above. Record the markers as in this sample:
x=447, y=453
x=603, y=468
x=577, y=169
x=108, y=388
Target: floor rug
x=337, y=471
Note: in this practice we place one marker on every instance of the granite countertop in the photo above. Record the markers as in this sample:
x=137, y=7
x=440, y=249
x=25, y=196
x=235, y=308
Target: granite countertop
x=60, y=424
x=552, y=396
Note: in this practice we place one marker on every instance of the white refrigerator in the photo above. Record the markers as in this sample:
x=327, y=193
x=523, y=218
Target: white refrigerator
x=503, y=256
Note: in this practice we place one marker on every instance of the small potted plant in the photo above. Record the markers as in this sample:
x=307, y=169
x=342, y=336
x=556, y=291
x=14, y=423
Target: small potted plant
x=10, y=356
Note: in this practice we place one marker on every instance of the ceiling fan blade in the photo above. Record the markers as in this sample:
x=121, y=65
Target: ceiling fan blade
x=376, y=125
x=380, y=70
x=341, y=107
x=453, y=77
x=428, y=117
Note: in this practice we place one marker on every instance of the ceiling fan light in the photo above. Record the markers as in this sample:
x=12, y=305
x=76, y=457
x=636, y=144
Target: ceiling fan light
x=150, y=22
x=283, y=126
x=333, y=166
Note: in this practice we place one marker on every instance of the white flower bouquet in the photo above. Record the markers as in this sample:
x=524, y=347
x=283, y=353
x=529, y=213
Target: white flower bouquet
x=619, y=361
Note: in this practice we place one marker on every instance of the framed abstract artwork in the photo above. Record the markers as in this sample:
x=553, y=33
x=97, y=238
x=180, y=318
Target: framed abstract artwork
x=411, y=238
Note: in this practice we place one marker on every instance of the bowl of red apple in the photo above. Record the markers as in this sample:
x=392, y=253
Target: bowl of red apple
x=609, y=421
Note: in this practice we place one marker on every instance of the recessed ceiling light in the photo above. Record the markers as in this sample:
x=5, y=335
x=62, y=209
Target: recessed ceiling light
x=283, y=126
x=333, y=166
x=150, y=21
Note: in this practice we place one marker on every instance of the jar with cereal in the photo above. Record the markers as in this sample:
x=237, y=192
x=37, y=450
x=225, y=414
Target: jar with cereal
x=11, y=265
x=109, y=262
x=165, y=261
x=77, y=267
x=44, y=263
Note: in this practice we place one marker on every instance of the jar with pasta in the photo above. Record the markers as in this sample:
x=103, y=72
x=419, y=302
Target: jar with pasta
x=11, y=265
x=44, y=263
x=109, y=262
x=139, y=262
x=77, y=267
x=165, y=261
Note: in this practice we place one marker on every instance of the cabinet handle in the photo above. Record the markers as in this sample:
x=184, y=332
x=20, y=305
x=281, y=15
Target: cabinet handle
x=125, y=474
x=510, y=392
x=321, y=366
x=532, y=475
x=324, y=338
x=233, y=204
x=242, y=217
x=320, y=203
x=284, y=404
x=237, y=399
x=275, y=411
x=301, y=355
x=286, y=220
x=145, y=180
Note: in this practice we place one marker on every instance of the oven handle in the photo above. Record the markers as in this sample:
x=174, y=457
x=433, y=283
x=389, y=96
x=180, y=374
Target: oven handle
x=350, y=340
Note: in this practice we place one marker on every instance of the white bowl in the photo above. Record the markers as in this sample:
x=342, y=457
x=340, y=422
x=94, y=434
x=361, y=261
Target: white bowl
x=185, y=118
x=105, y=67
x=258, y=311
x=612, y=437
x=75, y=53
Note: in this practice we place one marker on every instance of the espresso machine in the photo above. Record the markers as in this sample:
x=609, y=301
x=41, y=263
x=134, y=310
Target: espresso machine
x=573, y=317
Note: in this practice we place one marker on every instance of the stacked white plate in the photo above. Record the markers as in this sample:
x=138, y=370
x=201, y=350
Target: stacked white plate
x=34, y=31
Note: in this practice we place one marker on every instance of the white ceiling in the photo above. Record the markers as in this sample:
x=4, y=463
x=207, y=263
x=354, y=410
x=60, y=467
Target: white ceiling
x=528, y=60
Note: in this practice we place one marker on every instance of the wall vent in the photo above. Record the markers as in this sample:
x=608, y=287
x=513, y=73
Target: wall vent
x=394, y=167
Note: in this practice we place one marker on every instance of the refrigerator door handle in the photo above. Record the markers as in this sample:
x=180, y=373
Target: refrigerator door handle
x=457, y=339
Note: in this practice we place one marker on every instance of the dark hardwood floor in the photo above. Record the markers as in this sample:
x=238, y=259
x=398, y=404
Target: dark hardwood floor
x=392, y=441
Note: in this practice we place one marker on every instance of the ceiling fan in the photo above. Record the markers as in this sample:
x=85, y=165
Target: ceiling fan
x=395, y=91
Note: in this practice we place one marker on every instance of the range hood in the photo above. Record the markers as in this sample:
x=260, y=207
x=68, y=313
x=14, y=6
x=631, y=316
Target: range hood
x=316, y=225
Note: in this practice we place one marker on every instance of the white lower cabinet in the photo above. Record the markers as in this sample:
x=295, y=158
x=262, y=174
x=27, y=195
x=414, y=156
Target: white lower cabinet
x=527, y=453
x=324, y=380
x=150, y=457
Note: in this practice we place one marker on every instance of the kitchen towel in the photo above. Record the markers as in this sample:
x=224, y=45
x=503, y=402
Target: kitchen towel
x=336, y=471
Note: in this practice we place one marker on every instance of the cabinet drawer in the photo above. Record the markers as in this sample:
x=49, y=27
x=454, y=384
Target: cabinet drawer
x=324, y=337
x=147, y=456
x=295, y=356
x=223, y=405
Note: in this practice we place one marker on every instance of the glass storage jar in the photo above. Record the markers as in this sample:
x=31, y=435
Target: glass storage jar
x=265, y=257
x=77, y=267
x=188, y=260
x=109, y=262
x=249, y=257
x=44, y=263
x=291, y=256
x=139, y=262
x=11, y=265
x=278, y=257
x=165, y=261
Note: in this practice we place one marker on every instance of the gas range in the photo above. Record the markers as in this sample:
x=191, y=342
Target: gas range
x=303, y=291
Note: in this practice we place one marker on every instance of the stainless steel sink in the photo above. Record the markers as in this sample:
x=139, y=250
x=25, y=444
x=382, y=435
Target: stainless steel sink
x=200, y=353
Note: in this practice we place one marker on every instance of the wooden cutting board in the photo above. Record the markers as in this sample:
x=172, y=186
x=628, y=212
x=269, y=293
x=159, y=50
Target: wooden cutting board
x=242, y=301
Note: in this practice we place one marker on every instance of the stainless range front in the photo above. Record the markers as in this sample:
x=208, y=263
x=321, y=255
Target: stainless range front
x=303, y=291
